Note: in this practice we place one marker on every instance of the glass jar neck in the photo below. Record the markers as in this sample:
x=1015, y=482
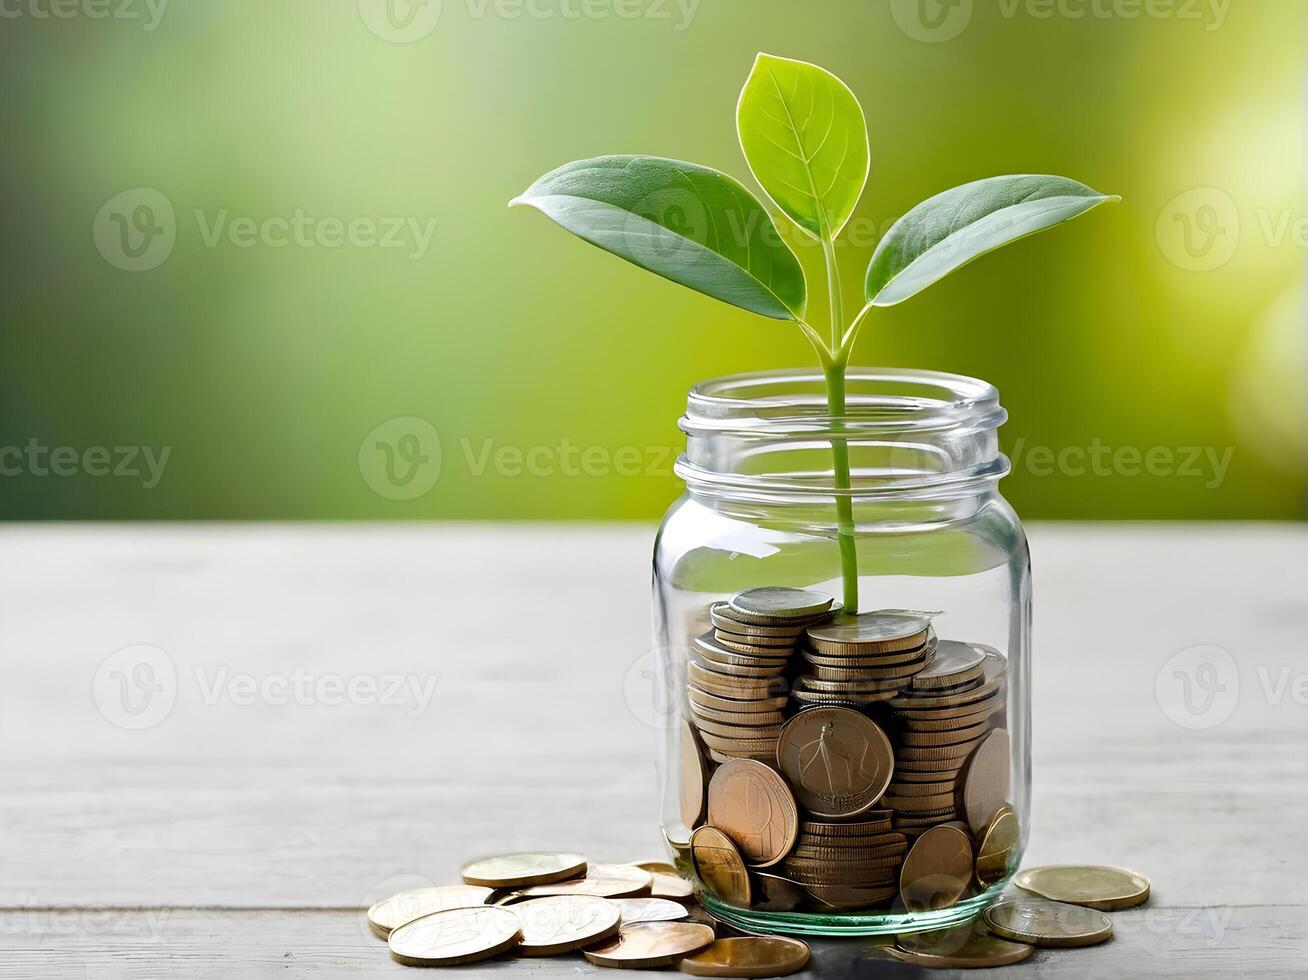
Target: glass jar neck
x=921, y=440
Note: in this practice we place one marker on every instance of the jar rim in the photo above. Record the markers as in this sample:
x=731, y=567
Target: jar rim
x=877, y=400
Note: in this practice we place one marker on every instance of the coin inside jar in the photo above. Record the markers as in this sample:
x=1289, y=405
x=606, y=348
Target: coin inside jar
x=1093, y=886
x=455, y=936
x=837, y=760
x=719, y=866
x=1052, y=924
x=937, y=870
x=748, y=956
x=986, y=783
x=528, y=868
x=692, y=778
x=752, y=805
x=652, y=944
x=994, y=851
x=779, y=602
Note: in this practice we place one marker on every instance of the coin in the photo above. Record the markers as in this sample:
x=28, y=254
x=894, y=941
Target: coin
x=738, y=659
x=391, y=913
x=601, y=881
x=909, y=804
x=901, y=789
x=837, y=760
x=994, y=850
x=1052, y=924
x=954, y=664
x=1093, y=886
x=772, y=893
x=848, y=897
x=775, y=646
x=937, y=870
x=648, y=909
x=936, y=753
x=562, y=923
x=455, y=936
x=956, y=736
x=751, y=804
x=692, y=778
x=871, y=631
x=720, y=866
x=746, y=746
x=719, y=702
x=968, y=945
x=748, y=956
x=778, y=603
x=720, y=614
x=835, y=700
x=850, y=661
x=872, y=822
x=737, y=731
x=651, y=944
x=755, y=670
x=738, y=717
x=760, y=755
x=985, y=785
x=993, y=670
x=737, y=687
x=531, y=868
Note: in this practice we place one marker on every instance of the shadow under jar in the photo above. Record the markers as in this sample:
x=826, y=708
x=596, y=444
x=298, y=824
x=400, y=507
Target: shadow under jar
x=826, y=771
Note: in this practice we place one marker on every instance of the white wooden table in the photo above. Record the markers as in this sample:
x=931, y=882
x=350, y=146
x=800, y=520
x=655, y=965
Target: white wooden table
x=278, y=789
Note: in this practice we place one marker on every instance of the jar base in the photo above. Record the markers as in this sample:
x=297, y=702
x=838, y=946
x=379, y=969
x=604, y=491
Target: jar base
x=853, y=923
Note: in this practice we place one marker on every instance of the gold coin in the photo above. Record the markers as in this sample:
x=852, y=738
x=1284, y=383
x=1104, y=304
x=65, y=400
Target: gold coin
x=718, y=702
x=854, y=661
x=837, y=760
x=911, y=804
x=886, y=632
x=872, y=822
x=953, y=665
x=937, y=753
x=748, y=670
x=773, y=893
x=601, y=881
x=968, y=945
x=902, y=789
x=736, y=659
x=937, y=870
x=1093, y=886
x=530, y=868
x=770, y=603
x=562, y=923
x=455, y=936
x=960, y=715
x=761, y=755
x=867, y=678
x=751, y=804
x=865, y=687
x=648, y=909
x=738, y=687
x=757, y=718
x=651, y=944
x=1052, y=924
x=720, y=866
x=391, y=913
x=710, y=643
x=994, y=668
x=985, y=785
x=775, y=646
x=738, y=731
x=746, y=745
x=954, y=737
x=723, y=618
x=817, y=853
x=693, y=778
x=748, y=956
x=840, y=700
x=994, y=851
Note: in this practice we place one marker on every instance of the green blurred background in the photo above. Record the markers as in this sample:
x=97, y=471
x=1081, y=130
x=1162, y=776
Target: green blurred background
x=516, y=372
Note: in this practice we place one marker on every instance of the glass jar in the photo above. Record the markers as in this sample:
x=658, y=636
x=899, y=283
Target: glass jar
x=932, y=535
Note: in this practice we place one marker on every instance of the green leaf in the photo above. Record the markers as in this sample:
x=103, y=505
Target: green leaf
x=693, y=225
x=948, y=231
x=805, y=140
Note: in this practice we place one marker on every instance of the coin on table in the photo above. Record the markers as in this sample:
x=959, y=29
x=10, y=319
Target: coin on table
x=969, y=945
x=455, y=936
x=562, y=923
x=837, y=760
x=529, y=868
x=986, y=780
x=648, y=909
x=752, y=805
x=644, y=945
x=720, y=866
x=391, y=913
x=748, y=956
x=994, y=849
x=870, y=631
x=600, y=881
x=773, y=893
x=1093, y=886
x=954, y=664
x=938, y=869
x=778, y=603
x=1052, y=924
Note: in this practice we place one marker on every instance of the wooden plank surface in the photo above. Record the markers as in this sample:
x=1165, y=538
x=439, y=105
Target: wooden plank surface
x=238, y=839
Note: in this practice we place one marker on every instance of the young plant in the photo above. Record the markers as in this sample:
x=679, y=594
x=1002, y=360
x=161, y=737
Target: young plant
x=805, y=140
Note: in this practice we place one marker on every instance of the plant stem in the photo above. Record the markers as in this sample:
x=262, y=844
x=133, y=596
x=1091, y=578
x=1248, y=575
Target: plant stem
x=834, y=370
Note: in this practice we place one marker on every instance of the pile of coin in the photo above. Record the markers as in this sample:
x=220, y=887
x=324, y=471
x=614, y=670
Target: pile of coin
x=881, y=782
x=551, y=904
x=738, y=671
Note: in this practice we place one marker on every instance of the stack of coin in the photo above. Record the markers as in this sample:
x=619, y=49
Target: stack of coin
x=737, y=673
x=847, y=865
x=939, y=721
x=864, y=659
